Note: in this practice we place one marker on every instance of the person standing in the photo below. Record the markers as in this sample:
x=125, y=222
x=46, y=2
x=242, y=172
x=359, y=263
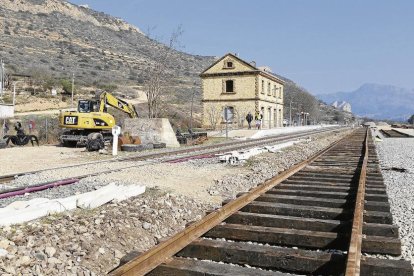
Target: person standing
x=5, y=127
x=249, y=119
x=258, y=120
x=30, y=126
x=261, y=119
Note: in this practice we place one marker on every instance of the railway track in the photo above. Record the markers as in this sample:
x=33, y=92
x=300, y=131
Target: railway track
x=321, y=217
x=392, y=133
x=188, y=151
x=167, y=156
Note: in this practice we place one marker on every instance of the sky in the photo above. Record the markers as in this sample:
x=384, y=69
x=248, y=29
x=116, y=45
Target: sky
x=325, y=46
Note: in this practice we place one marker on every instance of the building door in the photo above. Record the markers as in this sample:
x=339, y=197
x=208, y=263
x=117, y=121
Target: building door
x=269, y=112
x=262, y=116
x=280, y=117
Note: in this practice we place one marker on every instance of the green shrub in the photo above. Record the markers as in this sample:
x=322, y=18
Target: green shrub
x=66, y=85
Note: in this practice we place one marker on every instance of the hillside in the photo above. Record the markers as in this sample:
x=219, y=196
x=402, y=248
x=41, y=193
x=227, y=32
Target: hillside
x=51, y=39
x=55, y=38
x=377, y=101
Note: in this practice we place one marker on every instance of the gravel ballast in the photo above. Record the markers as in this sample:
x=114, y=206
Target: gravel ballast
x=93, y=241
x=398, y=153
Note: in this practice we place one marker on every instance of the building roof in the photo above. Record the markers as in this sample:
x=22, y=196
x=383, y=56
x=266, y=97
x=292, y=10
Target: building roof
x=233, y=56
x=254, y=68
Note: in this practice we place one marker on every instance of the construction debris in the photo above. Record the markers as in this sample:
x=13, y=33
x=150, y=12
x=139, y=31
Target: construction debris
x=236, y=157
x=191, y=138
x=22, y=211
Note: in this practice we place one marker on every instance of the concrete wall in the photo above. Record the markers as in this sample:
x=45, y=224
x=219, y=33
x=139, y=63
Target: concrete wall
x=6, y=111
x=156, y=130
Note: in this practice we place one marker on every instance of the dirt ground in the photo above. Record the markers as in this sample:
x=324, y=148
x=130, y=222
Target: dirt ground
x=35, y=103
x=184, y=179
x=176, y=178
x=28, y=158
x=24, y=159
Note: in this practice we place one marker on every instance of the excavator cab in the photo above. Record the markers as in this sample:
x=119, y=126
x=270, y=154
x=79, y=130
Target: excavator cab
x=87, y=106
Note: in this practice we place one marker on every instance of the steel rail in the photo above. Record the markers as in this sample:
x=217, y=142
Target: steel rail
x=353, y=264
x=393, y=133
x=72, y=180
x=264, y=140
x=157, y=255
x=6, y=192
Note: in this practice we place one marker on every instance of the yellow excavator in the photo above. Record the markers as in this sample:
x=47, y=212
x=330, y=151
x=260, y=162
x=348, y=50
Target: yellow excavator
x=91, y=124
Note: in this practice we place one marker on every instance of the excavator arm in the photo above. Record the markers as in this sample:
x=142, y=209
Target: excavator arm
x=109, y=99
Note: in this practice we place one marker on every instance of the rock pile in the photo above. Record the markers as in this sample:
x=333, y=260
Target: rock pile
x=92, y=242
x=397, y=153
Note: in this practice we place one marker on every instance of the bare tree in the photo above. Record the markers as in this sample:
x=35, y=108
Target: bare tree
x=240, y=114
x=214, y=115
x=300, y=101
x=157, y=75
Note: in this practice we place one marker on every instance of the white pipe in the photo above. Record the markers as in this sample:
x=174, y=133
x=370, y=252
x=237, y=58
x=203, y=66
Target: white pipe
x=116, y=131
x=14, y=91
x=115, y=145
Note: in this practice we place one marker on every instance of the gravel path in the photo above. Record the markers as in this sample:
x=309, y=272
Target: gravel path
x=399, y=153
x=91, y=242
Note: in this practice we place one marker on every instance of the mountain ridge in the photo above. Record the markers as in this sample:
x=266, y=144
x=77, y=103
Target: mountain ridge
x=377, y=101
x=58, y=38
x=51, y=39
x=80, y=13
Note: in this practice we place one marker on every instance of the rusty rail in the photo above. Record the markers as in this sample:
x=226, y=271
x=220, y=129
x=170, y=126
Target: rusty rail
x=217, y=148
x=160, y=253
x=393, y=133
x=353, y=264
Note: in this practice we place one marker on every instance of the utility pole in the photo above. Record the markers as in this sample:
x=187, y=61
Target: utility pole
x=73, y=84
x=290, y=111
x=191, y=111
x=1, y=77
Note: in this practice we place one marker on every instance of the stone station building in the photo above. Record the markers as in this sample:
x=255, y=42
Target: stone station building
x=235, y=87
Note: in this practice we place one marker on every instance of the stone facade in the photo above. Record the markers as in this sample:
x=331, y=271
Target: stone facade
x=240, y=87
